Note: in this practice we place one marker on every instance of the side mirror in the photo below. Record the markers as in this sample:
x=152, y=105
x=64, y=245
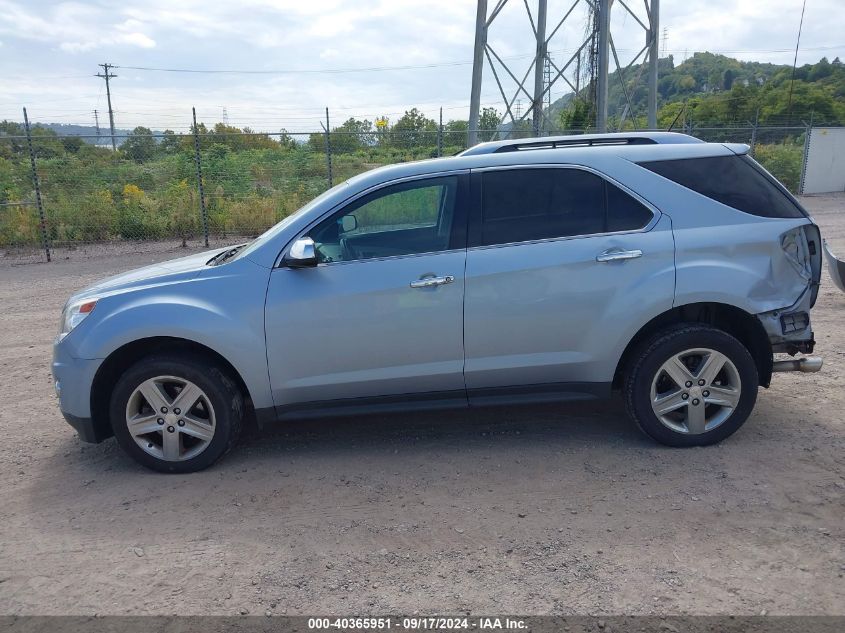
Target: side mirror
x=348, y=223
x=302, y=254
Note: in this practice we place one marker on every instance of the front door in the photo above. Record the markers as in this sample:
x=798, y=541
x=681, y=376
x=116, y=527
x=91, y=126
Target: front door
x=381, y=315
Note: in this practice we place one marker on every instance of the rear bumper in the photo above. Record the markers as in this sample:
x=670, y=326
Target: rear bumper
x=789, y=329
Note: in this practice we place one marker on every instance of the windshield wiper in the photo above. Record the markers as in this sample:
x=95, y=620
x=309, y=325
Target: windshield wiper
x=222, y=257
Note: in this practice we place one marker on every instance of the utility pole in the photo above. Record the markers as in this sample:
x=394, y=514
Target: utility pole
x=539, y=60
x=603, y=28
x=653, y=33
x=477, y=66
x=97, y=125
x=327, y=128
x=108, y=75
x=440, y=135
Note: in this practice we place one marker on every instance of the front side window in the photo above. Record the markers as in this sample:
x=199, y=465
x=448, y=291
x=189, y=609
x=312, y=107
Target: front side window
x=404, y=219
x=521, y=205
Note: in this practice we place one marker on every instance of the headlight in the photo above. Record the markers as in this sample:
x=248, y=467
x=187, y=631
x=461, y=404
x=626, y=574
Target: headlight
x=74, y=314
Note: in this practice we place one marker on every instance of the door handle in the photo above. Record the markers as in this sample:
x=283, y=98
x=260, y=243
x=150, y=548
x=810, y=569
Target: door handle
x=614, y=255
x=432, y=282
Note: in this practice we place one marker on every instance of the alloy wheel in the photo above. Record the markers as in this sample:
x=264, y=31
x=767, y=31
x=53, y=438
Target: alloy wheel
x=170, y=418
x=695, y=391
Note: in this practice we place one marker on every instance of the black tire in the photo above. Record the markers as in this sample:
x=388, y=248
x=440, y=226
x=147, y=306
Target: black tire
x=647, y=361
x=222, y=391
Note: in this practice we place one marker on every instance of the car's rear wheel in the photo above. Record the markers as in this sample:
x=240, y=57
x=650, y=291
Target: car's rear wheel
x=176, y=414
x=691, y=385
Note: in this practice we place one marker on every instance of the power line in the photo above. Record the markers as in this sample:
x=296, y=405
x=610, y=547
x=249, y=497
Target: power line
x=795, y=61
x=336, y=71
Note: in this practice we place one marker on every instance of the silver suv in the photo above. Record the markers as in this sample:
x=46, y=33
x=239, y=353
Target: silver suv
x=531, y=270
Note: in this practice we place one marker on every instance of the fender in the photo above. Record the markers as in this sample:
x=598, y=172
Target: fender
x=189, y=311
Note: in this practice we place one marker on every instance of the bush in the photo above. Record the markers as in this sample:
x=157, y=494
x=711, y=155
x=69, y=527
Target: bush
x=783, y=160
x=179, y=203
x=139, y=216
x=90, y=217
x=251, y=216
x=19, y=225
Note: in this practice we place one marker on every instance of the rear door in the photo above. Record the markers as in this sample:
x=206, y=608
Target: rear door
x=563, y=268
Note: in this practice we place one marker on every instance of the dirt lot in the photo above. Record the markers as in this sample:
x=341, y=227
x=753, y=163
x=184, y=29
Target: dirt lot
x=523, y=510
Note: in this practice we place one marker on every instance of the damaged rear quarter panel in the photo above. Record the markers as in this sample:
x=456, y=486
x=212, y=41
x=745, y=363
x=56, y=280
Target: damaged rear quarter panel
x=743, y=264
x=727, y=256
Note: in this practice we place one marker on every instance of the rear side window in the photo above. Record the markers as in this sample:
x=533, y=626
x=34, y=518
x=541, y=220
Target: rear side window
x=736, y=181
x=520, y=205
x=623, y=212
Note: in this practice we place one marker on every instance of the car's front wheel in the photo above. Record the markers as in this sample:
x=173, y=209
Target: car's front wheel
x=691, y=385
x=176, y=413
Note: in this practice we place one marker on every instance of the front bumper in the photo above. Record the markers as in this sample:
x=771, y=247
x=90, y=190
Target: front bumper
x=85, y=428
x=73, y=380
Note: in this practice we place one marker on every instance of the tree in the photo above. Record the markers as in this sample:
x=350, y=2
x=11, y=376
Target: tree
x=455, y=133
x=413, y=129
x=671, y=113
x=821, y=70
x=140, y=146
x=352, y=135
x=72, y=144
x=488, y=124
x=237, y=139
x=286, y=140
x=45, y=142
x=685, y=83
x=578, y=117
x=170, y=143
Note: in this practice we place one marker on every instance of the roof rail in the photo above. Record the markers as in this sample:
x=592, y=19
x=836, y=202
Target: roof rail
x=580, y=140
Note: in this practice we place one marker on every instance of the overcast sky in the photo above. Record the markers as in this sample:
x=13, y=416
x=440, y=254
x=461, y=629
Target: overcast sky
x=49, y=52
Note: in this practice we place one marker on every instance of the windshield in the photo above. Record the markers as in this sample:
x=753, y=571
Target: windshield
x=276, y=229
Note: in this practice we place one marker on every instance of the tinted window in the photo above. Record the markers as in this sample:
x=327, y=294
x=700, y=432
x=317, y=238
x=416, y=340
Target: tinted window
x=532, y=204
x=623, y=212
x=736, y=181
x=404, y=219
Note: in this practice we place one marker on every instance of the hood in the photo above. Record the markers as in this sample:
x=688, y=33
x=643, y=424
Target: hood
x=171, y=271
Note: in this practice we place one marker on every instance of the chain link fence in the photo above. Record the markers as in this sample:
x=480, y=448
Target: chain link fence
x=212, y=188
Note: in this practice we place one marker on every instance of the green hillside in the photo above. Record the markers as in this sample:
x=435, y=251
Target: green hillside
x=720, y=91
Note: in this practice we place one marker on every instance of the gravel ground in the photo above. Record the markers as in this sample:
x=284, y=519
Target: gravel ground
x=563, y=509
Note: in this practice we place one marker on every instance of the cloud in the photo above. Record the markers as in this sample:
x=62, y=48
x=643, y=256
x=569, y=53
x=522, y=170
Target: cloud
x=137, y=39
x=129, y=39
x=74, y=27
x=58, y=44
